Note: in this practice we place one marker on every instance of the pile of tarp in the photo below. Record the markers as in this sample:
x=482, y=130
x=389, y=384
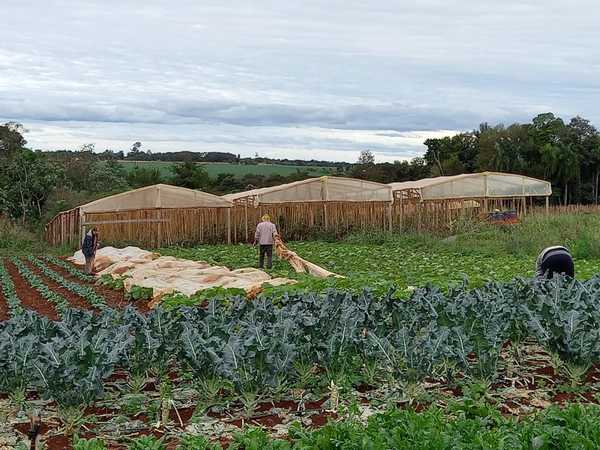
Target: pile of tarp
x=167, y=274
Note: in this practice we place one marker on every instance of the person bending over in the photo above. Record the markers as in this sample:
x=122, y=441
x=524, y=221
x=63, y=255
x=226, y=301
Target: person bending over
x=553, y=260
x=265, y=238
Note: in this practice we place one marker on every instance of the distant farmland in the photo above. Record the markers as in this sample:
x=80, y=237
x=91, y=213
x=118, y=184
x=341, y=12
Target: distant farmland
x=239, y=170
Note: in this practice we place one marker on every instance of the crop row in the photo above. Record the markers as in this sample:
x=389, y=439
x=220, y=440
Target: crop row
x=70, y=269
x=85, y=292
x=8, y=290
x=262, y=347
x=36, y=283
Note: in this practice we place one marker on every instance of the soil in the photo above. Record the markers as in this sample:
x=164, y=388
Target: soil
x=185, y=414
x=285, y=404
x=114, y=299
x=266, y=421
x=321, y=419
x=75, y=301
x=58, y=442
x=29, y=297
x=4, y=311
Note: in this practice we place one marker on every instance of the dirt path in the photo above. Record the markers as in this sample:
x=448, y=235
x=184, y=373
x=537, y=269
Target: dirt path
x=75, y=301
x=114, y=299
x=29, y=297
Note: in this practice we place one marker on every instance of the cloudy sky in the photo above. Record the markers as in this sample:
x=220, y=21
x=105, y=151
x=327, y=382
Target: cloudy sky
x=302, y=79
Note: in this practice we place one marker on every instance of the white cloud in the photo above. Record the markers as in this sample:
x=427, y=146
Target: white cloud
x=329, y=78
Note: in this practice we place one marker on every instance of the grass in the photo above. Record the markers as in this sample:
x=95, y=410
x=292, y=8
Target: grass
x=16, y=240
x=378, y=260
x=239, y=170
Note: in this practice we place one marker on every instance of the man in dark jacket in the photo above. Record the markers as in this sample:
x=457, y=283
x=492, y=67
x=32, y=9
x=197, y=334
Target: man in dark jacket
x=553, y=260
x=88, y=248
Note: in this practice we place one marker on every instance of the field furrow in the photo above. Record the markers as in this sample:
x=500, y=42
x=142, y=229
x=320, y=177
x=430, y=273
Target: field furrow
x=30, y=297
x=72, y=300
x=73, y=288
x=113, y=299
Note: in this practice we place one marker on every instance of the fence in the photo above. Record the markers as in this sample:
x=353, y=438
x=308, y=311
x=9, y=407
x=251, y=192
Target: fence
x=443, y=215
x=63, y=229
x=295, y=221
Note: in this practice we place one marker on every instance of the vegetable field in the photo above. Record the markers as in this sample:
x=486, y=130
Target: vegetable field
x=400, y=354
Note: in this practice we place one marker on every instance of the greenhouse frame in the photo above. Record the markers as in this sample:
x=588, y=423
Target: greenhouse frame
x=155, y=215
x=329, y=204
x=431, y=202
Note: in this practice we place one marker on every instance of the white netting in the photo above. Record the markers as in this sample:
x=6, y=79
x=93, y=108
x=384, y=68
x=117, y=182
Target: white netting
x=486, y=184
x=335, y=189
x=157, y=196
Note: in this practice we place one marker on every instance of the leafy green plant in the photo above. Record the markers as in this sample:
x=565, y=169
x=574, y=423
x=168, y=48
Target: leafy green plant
x=36, y=283
x=8, y=290
x=85, y=292
x=147, y=443
x=89, y=444
x=137, y=293
x=195, y=442
x=70, y=269
x=116, y=283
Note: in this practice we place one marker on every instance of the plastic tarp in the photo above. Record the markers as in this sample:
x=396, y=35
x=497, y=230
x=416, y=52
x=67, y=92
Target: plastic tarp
x=107, y=256
x=335, y=189
x=476, y=185
x=166, y=274
x=156, y=196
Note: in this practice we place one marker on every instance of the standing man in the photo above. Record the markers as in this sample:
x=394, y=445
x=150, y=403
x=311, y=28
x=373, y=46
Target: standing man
x=88, y=248
x=265, y=238
x=553, y=260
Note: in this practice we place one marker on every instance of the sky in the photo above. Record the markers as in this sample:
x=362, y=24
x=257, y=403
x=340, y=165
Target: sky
x=291, y=79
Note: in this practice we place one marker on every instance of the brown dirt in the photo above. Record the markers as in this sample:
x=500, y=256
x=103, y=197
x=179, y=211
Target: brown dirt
x=4, y=311
x=60, y=442
x=29, y=297
x=114, y=299
x=284, y=404
x=266, y=421
x=75, y=301
x=185, y=414
x=320, y=420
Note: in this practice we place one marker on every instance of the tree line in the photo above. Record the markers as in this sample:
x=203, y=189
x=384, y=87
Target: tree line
x=35, y=185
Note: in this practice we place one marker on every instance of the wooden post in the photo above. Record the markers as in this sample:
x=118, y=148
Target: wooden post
x=81, y=228
x=389, y=211
x=160, y=230
x=401, y=210
x=547, y=205
x=246, y=219
x=229, y=225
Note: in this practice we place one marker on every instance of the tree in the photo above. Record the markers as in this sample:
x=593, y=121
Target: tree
x=366, y=158
x=11, y=138
x=26, y=181
x=144, y=176
x=106, y=176
x=190, y=175
x=87, y=148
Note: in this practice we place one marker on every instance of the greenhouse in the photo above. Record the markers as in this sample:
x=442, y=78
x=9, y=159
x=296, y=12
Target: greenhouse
x=440, y=202
x=323, y=189
x=327, y=204
x=472, y=185
x=150, y=216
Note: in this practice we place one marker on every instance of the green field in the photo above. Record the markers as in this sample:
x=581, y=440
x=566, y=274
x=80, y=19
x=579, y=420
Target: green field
x=382, y=261
x=239, y=170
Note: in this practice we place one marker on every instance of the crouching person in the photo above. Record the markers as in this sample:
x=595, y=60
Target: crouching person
x=554, y=260
x=88, y=248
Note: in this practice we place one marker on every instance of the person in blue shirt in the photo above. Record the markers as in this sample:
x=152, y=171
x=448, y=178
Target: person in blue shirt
x=88, y=248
